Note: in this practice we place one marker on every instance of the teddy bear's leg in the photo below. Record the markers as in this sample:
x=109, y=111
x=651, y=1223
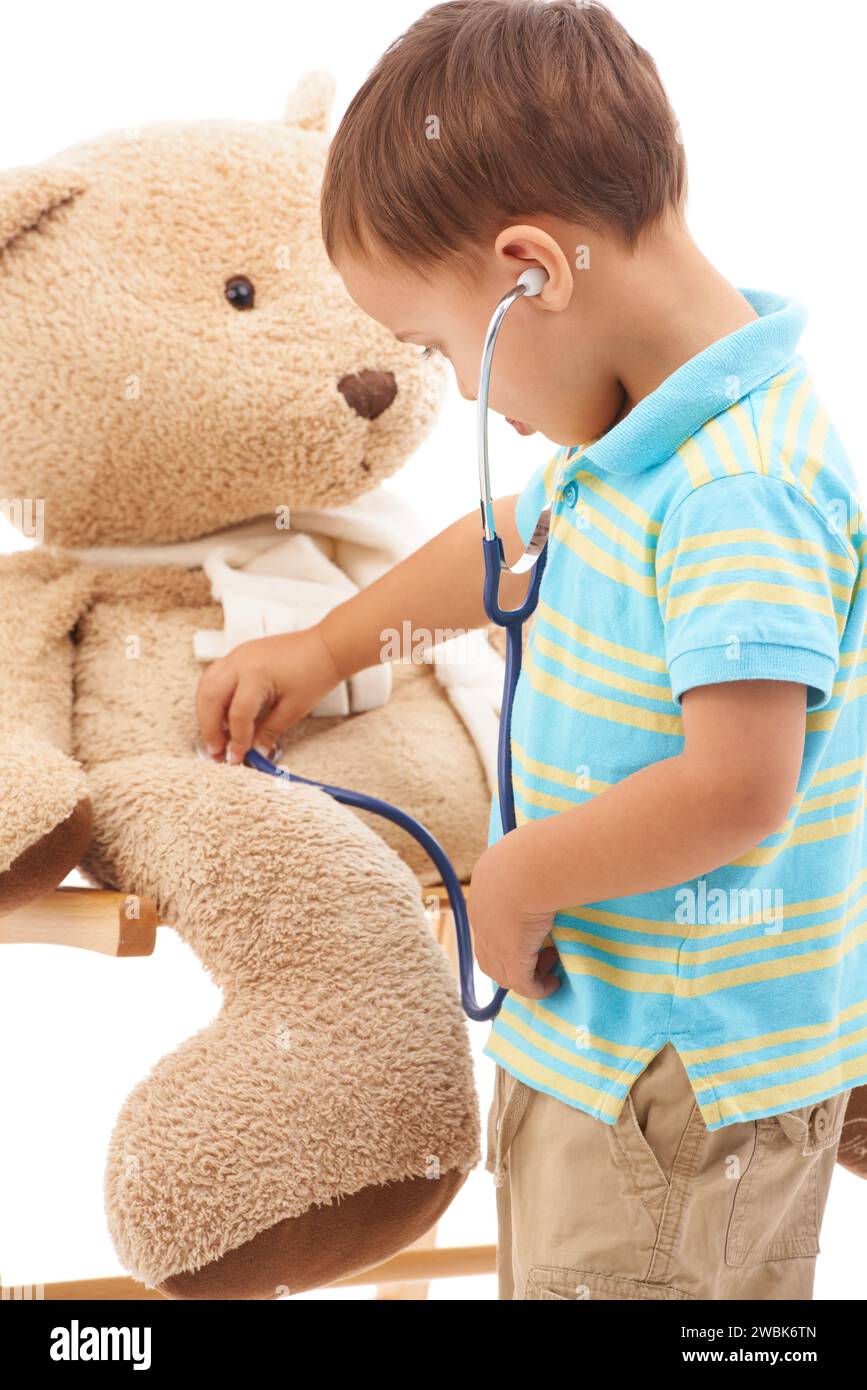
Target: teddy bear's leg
x=852, y=1151
x=326, y=1118
x=45, y=823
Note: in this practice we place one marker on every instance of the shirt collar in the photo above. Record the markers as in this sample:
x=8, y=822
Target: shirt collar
x=710, y=382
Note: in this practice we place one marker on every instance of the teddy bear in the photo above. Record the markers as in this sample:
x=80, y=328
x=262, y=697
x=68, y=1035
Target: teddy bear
x=179, y=360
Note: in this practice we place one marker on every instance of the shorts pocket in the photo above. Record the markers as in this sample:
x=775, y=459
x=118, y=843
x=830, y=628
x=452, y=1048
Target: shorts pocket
x=555, y=1282
x=775, y=1213
x=631, y=1148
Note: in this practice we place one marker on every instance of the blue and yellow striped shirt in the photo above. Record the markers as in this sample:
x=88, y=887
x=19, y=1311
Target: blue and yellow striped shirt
x=713, y=534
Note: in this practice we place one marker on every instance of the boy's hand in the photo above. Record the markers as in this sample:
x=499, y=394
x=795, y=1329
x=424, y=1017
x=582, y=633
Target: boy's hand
x=507, y=936
x=264, y=686
x=260, y=689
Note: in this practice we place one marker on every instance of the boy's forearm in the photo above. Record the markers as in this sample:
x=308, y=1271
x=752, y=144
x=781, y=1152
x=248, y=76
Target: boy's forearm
x=438, y=586
x=661, y=826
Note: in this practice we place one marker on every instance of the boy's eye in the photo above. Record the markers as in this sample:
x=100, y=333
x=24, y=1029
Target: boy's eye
x=429, y=351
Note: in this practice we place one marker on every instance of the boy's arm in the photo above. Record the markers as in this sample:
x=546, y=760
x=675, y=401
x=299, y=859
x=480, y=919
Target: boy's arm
x=438, y=586
x=262, y=687
x=730, y=787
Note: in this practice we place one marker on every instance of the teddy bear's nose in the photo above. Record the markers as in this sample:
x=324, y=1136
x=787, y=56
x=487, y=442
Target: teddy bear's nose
x=369, y=393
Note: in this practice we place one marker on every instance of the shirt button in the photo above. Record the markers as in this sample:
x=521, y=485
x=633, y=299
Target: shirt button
x=820, y=1122
x=570, y=494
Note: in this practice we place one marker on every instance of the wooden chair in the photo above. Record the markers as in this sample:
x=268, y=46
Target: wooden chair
x=119, y=924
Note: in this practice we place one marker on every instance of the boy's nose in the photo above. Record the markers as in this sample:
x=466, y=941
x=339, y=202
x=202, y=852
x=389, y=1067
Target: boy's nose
x=369, y=393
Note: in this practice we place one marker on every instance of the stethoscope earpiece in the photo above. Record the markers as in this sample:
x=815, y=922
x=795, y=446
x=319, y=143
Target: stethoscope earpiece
x=535, y=279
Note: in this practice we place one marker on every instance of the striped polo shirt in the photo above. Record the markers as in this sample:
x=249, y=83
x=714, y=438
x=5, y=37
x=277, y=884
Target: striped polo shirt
x=713, y=534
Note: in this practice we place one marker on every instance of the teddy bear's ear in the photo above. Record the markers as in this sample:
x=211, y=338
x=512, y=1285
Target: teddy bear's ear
x=310, y=101
x=28, y=193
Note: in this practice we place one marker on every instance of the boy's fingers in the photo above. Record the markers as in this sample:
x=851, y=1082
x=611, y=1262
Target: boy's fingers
x=548, y=957
x=533, y=978
x=215, y=690
x=273, y=724
x=246, y=704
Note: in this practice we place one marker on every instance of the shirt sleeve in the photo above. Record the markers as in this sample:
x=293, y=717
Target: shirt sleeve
x=536, y=495
x=752, y=584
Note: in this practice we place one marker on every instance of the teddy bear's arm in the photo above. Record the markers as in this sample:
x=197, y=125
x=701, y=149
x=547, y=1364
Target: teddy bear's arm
x=45, y=812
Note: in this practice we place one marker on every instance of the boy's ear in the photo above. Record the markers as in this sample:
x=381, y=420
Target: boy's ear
x=31, y=192
x=310, y=101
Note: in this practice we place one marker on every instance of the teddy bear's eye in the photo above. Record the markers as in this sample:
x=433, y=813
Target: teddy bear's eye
x=240, y=292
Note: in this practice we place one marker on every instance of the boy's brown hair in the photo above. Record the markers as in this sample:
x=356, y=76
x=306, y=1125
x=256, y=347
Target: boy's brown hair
x=493, y=109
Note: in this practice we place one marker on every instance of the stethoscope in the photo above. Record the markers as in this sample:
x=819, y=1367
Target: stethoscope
x=529, y=283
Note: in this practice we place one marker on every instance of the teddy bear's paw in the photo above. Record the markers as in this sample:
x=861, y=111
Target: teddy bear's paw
x=283, y=1148
x=47, y=819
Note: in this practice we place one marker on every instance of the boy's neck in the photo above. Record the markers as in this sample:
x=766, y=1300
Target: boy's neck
x=661, y=307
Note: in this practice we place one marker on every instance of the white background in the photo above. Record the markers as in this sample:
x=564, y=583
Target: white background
x=770, y=97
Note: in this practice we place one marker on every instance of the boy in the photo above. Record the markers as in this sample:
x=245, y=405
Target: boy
x=679, y=915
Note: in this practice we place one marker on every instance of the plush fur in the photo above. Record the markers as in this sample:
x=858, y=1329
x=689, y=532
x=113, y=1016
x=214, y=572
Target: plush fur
x=328, y=1115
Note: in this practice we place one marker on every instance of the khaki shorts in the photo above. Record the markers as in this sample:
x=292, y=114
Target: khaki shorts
x=656, y=1205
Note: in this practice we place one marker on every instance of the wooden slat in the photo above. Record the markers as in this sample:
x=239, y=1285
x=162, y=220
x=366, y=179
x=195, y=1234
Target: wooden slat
x=93, y=919
x=459, y=1261
x=453, y=1262
x=99, y=919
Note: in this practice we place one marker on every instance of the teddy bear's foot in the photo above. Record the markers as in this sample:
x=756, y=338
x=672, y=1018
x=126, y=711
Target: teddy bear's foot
x=852, y=1151
x=47, y=820
x=324, y=1244
x=41, y=867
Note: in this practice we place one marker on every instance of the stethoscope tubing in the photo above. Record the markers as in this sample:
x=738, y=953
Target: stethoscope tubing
x=360, y=801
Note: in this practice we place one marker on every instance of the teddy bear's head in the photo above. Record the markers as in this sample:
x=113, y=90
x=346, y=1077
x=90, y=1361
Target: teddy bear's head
x=177, y=353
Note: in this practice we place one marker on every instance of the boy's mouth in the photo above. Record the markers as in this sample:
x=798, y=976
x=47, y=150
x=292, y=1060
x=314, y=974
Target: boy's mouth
x=519, y=426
